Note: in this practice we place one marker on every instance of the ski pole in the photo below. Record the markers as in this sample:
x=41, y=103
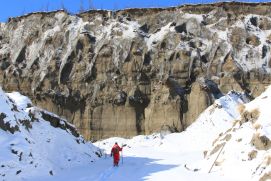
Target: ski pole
x=122, y=157
x=122, y=153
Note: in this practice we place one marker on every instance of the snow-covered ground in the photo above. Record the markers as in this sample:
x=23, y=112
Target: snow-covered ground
x=229, y=141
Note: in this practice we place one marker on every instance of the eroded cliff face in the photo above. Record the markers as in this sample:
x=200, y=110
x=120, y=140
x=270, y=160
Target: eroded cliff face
x=136, y=71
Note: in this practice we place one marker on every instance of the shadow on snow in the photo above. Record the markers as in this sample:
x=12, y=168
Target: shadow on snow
x=133, y=168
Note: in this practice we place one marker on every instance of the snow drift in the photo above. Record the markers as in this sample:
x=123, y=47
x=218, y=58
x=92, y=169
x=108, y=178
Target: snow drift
x=35, y=143
x=246, y=144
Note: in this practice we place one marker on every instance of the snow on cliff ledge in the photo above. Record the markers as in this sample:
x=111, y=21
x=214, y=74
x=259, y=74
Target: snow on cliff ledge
x=35, y=143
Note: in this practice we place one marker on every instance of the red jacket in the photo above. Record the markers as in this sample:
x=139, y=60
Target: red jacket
x=115, y=151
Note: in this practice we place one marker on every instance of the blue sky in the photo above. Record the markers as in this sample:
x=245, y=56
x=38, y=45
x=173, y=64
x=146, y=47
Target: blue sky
x=10, y=8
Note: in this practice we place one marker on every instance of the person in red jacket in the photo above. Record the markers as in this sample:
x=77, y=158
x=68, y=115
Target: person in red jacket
x=115, y=152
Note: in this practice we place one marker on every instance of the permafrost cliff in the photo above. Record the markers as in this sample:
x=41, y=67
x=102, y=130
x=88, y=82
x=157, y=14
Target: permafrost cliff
x=136, y=71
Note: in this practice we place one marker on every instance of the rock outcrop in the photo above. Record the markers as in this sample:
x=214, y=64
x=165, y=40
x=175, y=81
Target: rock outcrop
x=136, y=71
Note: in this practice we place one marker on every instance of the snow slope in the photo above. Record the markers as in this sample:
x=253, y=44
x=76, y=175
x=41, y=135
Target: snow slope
x=31, y=148
x=247, y=143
